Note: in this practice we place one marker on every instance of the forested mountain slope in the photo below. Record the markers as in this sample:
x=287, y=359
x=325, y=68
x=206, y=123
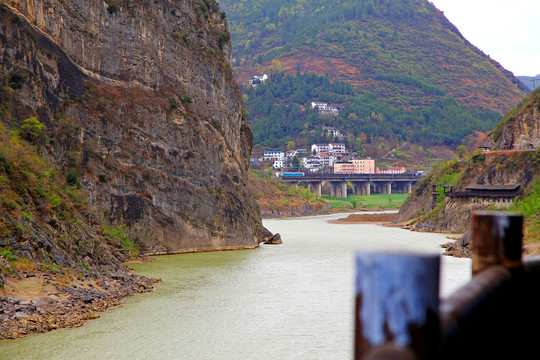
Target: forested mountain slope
x=402, y=55
x=280, y=113
x=390, y=48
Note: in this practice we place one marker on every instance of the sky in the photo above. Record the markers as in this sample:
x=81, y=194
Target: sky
x=507, y=30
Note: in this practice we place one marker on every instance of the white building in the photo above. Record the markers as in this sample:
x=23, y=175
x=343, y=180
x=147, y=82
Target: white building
x=278, y=164
x=311, y=163
x=290, y=153
x=329, y=110
x=318, y=148
x=319, y=105
x=258, y=79
x=335, y=132
x=274, y=155
x=337, y=148
x=326, y=159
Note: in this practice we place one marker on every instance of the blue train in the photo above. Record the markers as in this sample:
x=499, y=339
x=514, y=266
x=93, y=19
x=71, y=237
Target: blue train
x=290, y=174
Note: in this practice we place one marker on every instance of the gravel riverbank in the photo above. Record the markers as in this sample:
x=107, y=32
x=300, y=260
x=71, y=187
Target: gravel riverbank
x=41, y=302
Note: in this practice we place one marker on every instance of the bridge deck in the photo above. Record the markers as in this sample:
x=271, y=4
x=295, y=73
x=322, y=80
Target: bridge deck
x=354, y=177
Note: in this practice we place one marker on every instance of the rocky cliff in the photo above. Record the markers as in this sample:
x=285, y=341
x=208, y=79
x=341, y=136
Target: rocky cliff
x=520, y=129
x=141, y=110
x=512, y=158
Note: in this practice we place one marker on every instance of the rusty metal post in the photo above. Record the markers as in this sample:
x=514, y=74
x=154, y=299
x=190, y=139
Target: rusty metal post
x=397, y=301
x=496, y=240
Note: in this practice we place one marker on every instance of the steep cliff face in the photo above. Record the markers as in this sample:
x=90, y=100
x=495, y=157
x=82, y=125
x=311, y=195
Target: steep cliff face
x=520, y=129
x=140, y=105
x=513, y=159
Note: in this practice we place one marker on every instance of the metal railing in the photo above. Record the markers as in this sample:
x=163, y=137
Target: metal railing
x=496, y=315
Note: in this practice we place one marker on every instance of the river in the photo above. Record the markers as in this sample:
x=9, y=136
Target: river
x=289, y=301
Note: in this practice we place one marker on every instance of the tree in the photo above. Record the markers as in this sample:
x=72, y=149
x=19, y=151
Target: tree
x=461, y=151
x=291, y=145
x=32, y=128
x=277, y=66
x=358, y=146
x=295, y=163
x=270, y=27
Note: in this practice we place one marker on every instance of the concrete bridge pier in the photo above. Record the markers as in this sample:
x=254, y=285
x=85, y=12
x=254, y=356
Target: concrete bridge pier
x=343, y=189
x=362, y=188
x=408, y=187
x=386, y=187
x=338, y=189
x=315, y=188
x=405, y=187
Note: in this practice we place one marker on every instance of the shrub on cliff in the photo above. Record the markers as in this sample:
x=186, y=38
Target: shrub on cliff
x=113, y=7
x=32, y=128
x=120, y=232
x=16, y=79
x=529, y=206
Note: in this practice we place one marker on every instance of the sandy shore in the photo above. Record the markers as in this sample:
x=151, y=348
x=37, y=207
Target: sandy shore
x=380, y=218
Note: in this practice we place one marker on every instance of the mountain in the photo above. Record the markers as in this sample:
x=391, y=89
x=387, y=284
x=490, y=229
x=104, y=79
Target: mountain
x=133, y=110
x=532, y=82
x=513, y=159
x=399, y=55
x=280, y=114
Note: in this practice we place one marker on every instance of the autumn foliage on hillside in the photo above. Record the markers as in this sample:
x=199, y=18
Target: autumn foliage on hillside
x=377, y=45
x=277, y=197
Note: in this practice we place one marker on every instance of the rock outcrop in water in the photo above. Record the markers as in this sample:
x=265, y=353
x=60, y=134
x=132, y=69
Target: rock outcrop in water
x=140, y=106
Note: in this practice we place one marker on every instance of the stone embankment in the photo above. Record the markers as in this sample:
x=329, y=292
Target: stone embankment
x=38, y=303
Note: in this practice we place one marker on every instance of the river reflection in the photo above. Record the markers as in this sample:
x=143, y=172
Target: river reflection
x=290, y=301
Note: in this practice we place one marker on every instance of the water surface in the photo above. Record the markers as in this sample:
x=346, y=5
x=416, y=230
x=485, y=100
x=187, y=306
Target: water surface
x=290, y=301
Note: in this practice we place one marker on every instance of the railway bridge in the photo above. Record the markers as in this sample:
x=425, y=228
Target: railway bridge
x=363, y=184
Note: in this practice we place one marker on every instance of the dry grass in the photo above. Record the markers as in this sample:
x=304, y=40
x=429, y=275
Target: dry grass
x=66, y=278
x=24, y=265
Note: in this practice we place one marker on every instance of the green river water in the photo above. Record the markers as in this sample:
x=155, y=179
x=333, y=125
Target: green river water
x=290, y=301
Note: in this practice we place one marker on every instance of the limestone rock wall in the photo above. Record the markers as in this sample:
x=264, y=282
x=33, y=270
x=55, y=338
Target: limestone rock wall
x=140, y=101
x=521, y=132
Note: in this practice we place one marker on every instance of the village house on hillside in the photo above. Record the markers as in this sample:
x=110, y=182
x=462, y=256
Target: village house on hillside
x=277, y=164
x=311, y=163
x=318, y=148
x=274, y=155
x=330, y=110
x=326, y=159
x=320, y=105
x=324, y=108
x=258, y=79
x=333, y=131
x=337, y=148
x=334, y=148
